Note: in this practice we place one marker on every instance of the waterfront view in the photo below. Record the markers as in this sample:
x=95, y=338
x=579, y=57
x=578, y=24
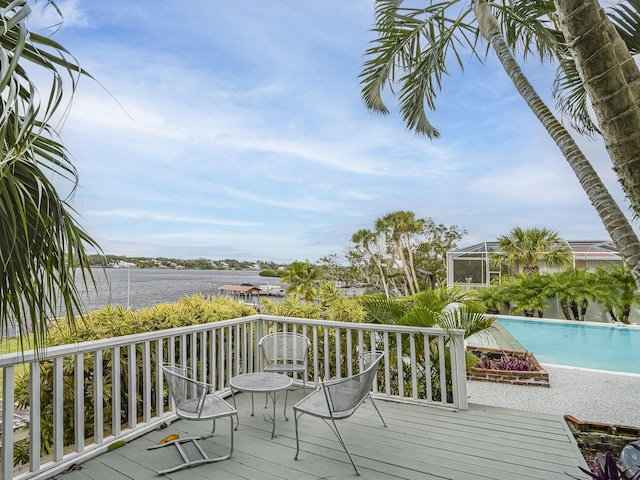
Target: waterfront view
x=140, y=288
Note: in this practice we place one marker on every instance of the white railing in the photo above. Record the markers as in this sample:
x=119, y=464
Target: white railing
x=62, y=382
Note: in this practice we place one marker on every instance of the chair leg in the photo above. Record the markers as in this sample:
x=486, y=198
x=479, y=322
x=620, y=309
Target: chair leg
x=376, y=407
x=187, y=462
x=295, y=417
x=344, y=445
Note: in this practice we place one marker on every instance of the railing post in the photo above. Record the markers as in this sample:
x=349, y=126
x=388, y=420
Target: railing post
x=459, y=371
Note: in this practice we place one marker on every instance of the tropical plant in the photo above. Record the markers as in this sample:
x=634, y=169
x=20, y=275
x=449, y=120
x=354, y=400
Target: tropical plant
x=528, y=294
x=42, y=247
x=411, y=53
x=606, y=468
x=108, y=323
x=512, y=361
x=575, y=290
x=527, y=248
x=622, y=292
x=302, y=280
x=447, y=308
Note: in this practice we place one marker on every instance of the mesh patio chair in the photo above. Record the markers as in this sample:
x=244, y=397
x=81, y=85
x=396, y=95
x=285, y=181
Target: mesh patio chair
x=285, y=352
x=339, y=398
x=193, y=401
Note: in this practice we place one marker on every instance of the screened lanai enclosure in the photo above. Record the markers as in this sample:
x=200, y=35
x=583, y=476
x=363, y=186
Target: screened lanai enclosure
x=476, y=266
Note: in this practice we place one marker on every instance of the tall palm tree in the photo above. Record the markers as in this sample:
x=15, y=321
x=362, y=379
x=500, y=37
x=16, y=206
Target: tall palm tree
x=411, y=54
x=302, y=280
x=394, y=225
x=528, y=247
x=366, y=238
x=41, y=243
x=611, y=78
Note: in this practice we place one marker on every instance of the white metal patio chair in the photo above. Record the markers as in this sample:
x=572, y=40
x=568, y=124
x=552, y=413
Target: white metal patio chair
x=339, y=398
x=285, y=352
x=194, y=400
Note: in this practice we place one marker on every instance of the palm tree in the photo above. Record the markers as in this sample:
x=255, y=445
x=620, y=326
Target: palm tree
x=575, y=290
x=302, y=280
x=528, y=247
x=610, y=77
x=410, y=54
x=623, y=293
x=367, y=238
x=41, y=243
x=394, y=225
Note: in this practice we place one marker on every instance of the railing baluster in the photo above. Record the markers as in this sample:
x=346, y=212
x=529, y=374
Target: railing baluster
x=159, y=380
x=399, y=364
x=387, y=366
x=338, y=361
x=146, y=382
x=203, y=356
x=349, y=353
x=427, y=367
x=132, y=390
x=7, y=420
x=443, y=371
x=78, y=401
x=116, y=421
x=98, y=397
x=34, y=417
x=412, y=356
x=58, y=409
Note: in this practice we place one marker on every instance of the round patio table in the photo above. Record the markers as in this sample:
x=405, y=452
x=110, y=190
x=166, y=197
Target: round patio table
x=262, y=382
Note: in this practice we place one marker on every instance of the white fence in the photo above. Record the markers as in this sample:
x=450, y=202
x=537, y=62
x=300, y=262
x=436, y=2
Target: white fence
x=84, y=397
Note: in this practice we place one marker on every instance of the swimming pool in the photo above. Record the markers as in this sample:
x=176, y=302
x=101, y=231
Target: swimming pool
x=586, y=345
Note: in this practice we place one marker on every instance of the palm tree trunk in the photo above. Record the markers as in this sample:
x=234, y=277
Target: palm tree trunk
x=411, y=264
x=404, y=265
x=612, y=217
x=612, y=81
x=379, y=265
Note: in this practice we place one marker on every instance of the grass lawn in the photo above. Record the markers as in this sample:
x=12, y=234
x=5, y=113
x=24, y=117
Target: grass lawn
x=11, y=345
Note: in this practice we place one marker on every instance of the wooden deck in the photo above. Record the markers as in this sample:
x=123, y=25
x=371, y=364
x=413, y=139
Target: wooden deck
x=419, y=443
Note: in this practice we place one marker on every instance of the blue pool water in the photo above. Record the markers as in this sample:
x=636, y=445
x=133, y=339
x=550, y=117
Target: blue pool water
x=574, y=344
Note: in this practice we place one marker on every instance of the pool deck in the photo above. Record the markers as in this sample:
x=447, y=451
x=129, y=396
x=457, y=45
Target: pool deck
x=588, y=395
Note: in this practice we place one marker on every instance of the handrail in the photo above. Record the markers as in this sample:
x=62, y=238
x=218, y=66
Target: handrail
x=126, y=371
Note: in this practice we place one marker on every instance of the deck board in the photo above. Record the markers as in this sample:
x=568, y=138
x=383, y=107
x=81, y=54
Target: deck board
x=485, y=443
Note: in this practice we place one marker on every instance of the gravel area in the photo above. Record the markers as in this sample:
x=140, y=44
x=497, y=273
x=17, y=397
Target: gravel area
x=588, y=395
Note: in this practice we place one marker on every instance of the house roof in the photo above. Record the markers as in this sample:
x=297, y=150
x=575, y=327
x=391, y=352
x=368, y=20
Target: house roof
x=239, y=288
x=582, y=249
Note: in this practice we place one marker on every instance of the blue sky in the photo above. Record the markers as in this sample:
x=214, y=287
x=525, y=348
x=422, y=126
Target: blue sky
x=235, y=129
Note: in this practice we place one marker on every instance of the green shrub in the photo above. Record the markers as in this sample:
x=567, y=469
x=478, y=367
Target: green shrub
x=112, y=322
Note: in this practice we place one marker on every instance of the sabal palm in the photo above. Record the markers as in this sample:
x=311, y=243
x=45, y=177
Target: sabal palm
x=528, y=247
x=411, y=53
x=41, y=243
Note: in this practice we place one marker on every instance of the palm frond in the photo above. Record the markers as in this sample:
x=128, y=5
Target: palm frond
x=41, y=243
x=626, y=18
x=384, y=310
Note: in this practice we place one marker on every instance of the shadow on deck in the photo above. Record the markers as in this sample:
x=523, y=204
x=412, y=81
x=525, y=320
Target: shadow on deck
x=420, y=443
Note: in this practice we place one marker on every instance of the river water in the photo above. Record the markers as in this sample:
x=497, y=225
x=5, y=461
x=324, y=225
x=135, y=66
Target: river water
x=143, y=287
